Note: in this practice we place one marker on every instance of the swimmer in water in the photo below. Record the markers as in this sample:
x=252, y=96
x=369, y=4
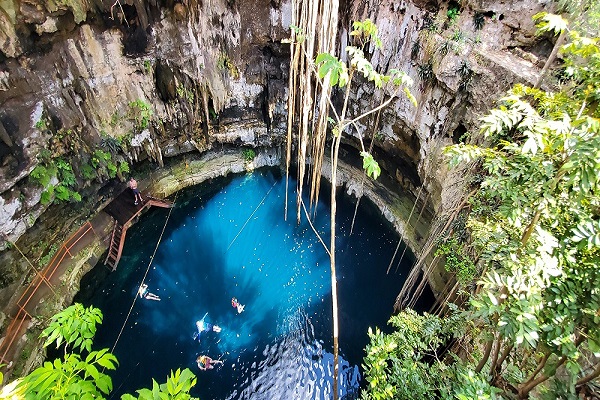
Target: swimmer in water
x=205, y=362
x=145, y=293
x=236, y=304
x=203, y=326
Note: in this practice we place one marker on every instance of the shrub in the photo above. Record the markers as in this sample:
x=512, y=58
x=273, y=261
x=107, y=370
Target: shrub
x=248, y=154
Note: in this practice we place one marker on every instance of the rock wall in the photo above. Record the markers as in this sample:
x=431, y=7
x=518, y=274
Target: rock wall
x=144, y=81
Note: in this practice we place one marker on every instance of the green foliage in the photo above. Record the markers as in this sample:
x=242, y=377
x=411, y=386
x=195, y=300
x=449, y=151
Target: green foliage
x=340, y=74
x=534, y=225
x=465, y=73
x=337, y=70
x=141, y=112
x=534, y=228
x=148, y=67
x=72, y=378
x=42, y=124
x=110, y=144
x=61, y=170
x=370, y=165
x=248, y=155
x=546, y=22
x=75, y=325
x=123, y=167
x=185, y=93
x=225, y=63
x=105, y=164
x=42, y=175
x=45, y=260
x=408, y=363
x=177, y=387
x=457, y=260
x=88, y=172
x=115, y=118
x=82, y=377
x=458, y=36
x=453, y=13
x=366, y=32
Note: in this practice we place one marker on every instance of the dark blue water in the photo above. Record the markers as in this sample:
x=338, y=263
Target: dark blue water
x=229, y=239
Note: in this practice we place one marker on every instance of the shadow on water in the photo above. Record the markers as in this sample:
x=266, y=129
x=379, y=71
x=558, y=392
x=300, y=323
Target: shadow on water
x=229, y=239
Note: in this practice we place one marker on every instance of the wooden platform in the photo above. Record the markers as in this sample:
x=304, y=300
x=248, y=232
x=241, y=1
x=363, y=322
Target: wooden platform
x=124, y=211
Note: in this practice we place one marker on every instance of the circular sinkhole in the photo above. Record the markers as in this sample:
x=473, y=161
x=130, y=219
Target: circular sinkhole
x=229, y=239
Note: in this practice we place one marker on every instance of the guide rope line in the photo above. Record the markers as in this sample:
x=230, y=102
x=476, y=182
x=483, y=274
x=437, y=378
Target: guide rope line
x=112, y=350
x=250, y=217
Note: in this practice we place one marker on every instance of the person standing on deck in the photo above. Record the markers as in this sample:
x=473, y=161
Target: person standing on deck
x=136, y=193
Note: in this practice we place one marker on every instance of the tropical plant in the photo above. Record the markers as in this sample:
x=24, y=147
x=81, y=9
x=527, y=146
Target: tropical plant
x=453, y=13
x=412, y=362
x=78, y=376
x=57, y=178
x=141, y=112
x=555, y=24
x=248, y=155
x=538, y=241
x=457, y=261
x=225, y=63
x=465, y=72
x=176, y=387
x=533, y=227
x=72, y=377
x=42, y=123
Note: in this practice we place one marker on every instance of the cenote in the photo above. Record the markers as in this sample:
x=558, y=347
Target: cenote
x=229, y=239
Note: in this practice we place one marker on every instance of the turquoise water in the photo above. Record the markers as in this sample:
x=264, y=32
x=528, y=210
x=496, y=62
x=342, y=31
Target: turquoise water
x=229, y=239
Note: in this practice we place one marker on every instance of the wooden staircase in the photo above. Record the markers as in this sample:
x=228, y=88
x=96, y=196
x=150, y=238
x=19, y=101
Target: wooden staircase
x=124, y=212
x=117, y=240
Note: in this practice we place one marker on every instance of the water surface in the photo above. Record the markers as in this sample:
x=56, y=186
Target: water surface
x=229, y=239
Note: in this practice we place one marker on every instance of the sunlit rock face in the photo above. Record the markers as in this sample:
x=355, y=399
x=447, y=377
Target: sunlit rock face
x=79, y=76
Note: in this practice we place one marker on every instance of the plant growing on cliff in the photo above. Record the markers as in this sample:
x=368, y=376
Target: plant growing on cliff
x=224, y=63
x=534, y=228
x=57, y=178
x=248, y=155
x=332, y=72
x=42, y=124
x=453, y=13
x=141, y=112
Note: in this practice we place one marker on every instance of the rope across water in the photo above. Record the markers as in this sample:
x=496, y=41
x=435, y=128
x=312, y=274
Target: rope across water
x=112, y=350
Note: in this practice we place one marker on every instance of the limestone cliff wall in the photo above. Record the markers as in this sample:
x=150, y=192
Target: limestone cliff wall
x=76, y=76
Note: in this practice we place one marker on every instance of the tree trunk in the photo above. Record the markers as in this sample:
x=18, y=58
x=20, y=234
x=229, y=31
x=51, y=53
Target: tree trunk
x=485, y=357
x=551, y=58
x=585, y=379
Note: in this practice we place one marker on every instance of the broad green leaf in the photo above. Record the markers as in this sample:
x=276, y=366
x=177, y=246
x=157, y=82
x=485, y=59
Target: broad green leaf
x=370, y=165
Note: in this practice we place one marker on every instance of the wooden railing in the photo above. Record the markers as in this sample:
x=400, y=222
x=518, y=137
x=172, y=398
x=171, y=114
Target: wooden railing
x=34, y=292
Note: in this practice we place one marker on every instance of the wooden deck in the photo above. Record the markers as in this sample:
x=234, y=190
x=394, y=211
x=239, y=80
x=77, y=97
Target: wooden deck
x=124, y=211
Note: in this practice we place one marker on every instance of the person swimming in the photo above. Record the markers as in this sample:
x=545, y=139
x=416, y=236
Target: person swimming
x=145, y=293
x=236, y=304
x=205, y=362
x=203, y=326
